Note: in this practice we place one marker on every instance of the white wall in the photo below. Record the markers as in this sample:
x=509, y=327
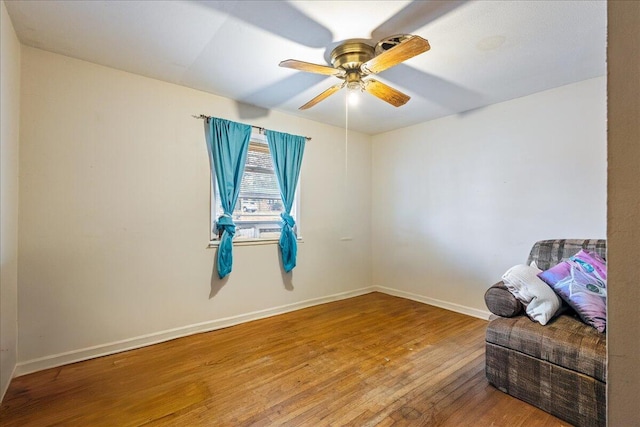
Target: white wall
x=114, y=197
x=457, y=201
x=10, y=120
x=623, y=335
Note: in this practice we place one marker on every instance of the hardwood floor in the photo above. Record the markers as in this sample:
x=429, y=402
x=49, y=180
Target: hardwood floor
x=373, y=360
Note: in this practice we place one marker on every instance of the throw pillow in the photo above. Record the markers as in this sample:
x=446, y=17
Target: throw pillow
x=540, y=302
x=501, y=301
x=582, y=282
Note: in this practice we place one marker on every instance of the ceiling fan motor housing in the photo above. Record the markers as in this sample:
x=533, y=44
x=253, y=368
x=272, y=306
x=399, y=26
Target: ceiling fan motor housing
x=351, y=54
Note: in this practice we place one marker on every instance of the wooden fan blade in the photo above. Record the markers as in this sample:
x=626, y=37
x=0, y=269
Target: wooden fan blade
x=311, y=68
x=327, y=93
x=386, y=93
x=407, y=49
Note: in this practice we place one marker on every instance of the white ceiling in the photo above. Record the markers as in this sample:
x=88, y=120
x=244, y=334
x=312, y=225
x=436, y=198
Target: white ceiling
x=482, y=52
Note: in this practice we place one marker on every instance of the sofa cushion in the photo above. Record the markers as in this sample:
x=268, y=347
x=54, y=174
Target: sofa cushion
x=565, y=341
x=501, y=302
x=547, y=253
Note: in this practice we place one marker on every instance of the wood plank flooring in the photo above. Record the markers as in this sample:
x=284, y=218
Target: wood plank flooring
x=373, y=360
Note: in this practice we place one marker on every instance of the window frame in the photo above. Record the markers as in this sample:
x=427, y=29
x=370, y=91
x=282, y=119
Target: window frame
x=214, y=241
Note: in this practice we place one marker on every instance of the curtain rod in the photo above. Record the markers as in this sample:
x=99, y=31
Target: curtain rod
x=260, y=129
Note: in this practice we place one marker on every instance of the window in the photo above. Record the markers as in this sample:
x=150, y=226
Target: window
x=258, y=209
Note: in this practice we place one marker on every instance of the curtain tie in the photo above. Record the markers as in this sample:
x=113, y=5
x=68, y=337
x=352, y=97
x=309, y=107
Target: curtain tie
x=287, y=219
x=225, y=223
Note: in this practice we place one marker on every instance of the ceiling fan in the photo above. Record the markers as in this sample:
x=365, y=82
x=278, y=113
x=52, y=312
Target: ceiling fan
x=353, y=60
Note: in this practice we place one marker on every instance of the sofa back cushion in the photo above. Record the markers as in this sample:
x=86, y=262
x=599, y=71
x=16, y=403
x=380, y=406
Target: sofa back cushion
x=548, y=253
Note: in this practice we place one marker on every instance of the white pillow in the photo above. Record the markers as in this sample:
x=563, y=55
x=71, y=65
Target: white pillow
x=540, y=301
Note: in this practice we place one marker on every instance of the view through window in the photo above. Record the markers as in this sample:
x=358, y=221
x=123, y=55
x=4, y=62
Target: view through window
x=257, y=211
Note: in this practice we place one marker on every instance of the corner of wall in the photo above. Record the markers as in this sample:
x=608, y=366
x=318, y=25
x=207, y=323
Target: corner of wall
x=10, y=110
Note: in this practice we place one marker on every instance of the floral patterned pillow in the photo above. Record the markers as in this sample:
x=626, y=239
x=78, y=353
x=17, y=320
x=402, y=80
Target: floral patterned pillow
x=581, y=281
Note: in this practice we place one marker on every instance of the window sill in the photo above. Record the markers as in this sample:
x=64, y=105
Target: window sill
x=250, y=242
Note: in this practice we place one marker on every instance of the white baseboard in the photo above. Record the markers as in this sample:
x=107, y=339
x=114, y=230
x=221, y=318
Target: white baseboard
x=469, y=311
x=52, y=361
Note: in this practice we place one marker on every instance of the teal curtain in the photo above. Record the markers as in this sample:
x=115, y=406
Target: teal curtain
x=286, y=152
x=227, y=143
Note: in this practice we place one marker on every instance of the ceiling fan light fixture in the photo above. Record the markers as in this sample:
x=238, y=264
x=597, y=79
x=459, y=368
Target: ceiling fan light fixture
x=353, y=80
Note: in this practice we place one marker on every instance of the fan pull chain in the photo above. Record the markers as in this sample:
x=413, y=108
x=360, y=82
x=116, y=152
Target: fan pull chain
x=346, y=140
x=345, y=222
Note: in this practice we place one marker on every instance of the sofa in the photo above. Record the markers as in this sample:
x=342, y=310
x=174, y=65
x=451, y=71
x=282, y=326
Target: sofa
x=560, y=367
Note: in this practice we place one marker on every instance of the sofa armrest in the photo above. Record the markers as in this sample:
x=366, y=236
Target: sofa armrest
x=501, y=302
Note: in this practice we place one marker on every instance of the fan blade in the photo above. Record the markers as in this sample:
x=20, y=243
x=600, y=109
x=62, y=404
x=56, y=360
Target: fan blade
x=327, y=93
x=311, y=68
x=397, y=54
x=386, y=93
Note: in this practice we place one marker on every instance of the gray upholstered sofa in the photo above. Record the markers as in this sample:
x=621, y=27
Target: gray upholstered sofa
x=560, y=367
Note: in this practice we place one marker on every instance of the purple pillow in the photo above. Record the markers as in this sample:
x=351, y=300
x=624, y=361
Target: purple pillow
x=581, y=281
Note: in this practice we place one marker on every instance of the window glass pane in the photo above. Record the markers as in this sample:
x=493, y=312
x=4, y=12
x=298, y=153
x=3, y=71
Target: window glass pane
x=257, y=211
